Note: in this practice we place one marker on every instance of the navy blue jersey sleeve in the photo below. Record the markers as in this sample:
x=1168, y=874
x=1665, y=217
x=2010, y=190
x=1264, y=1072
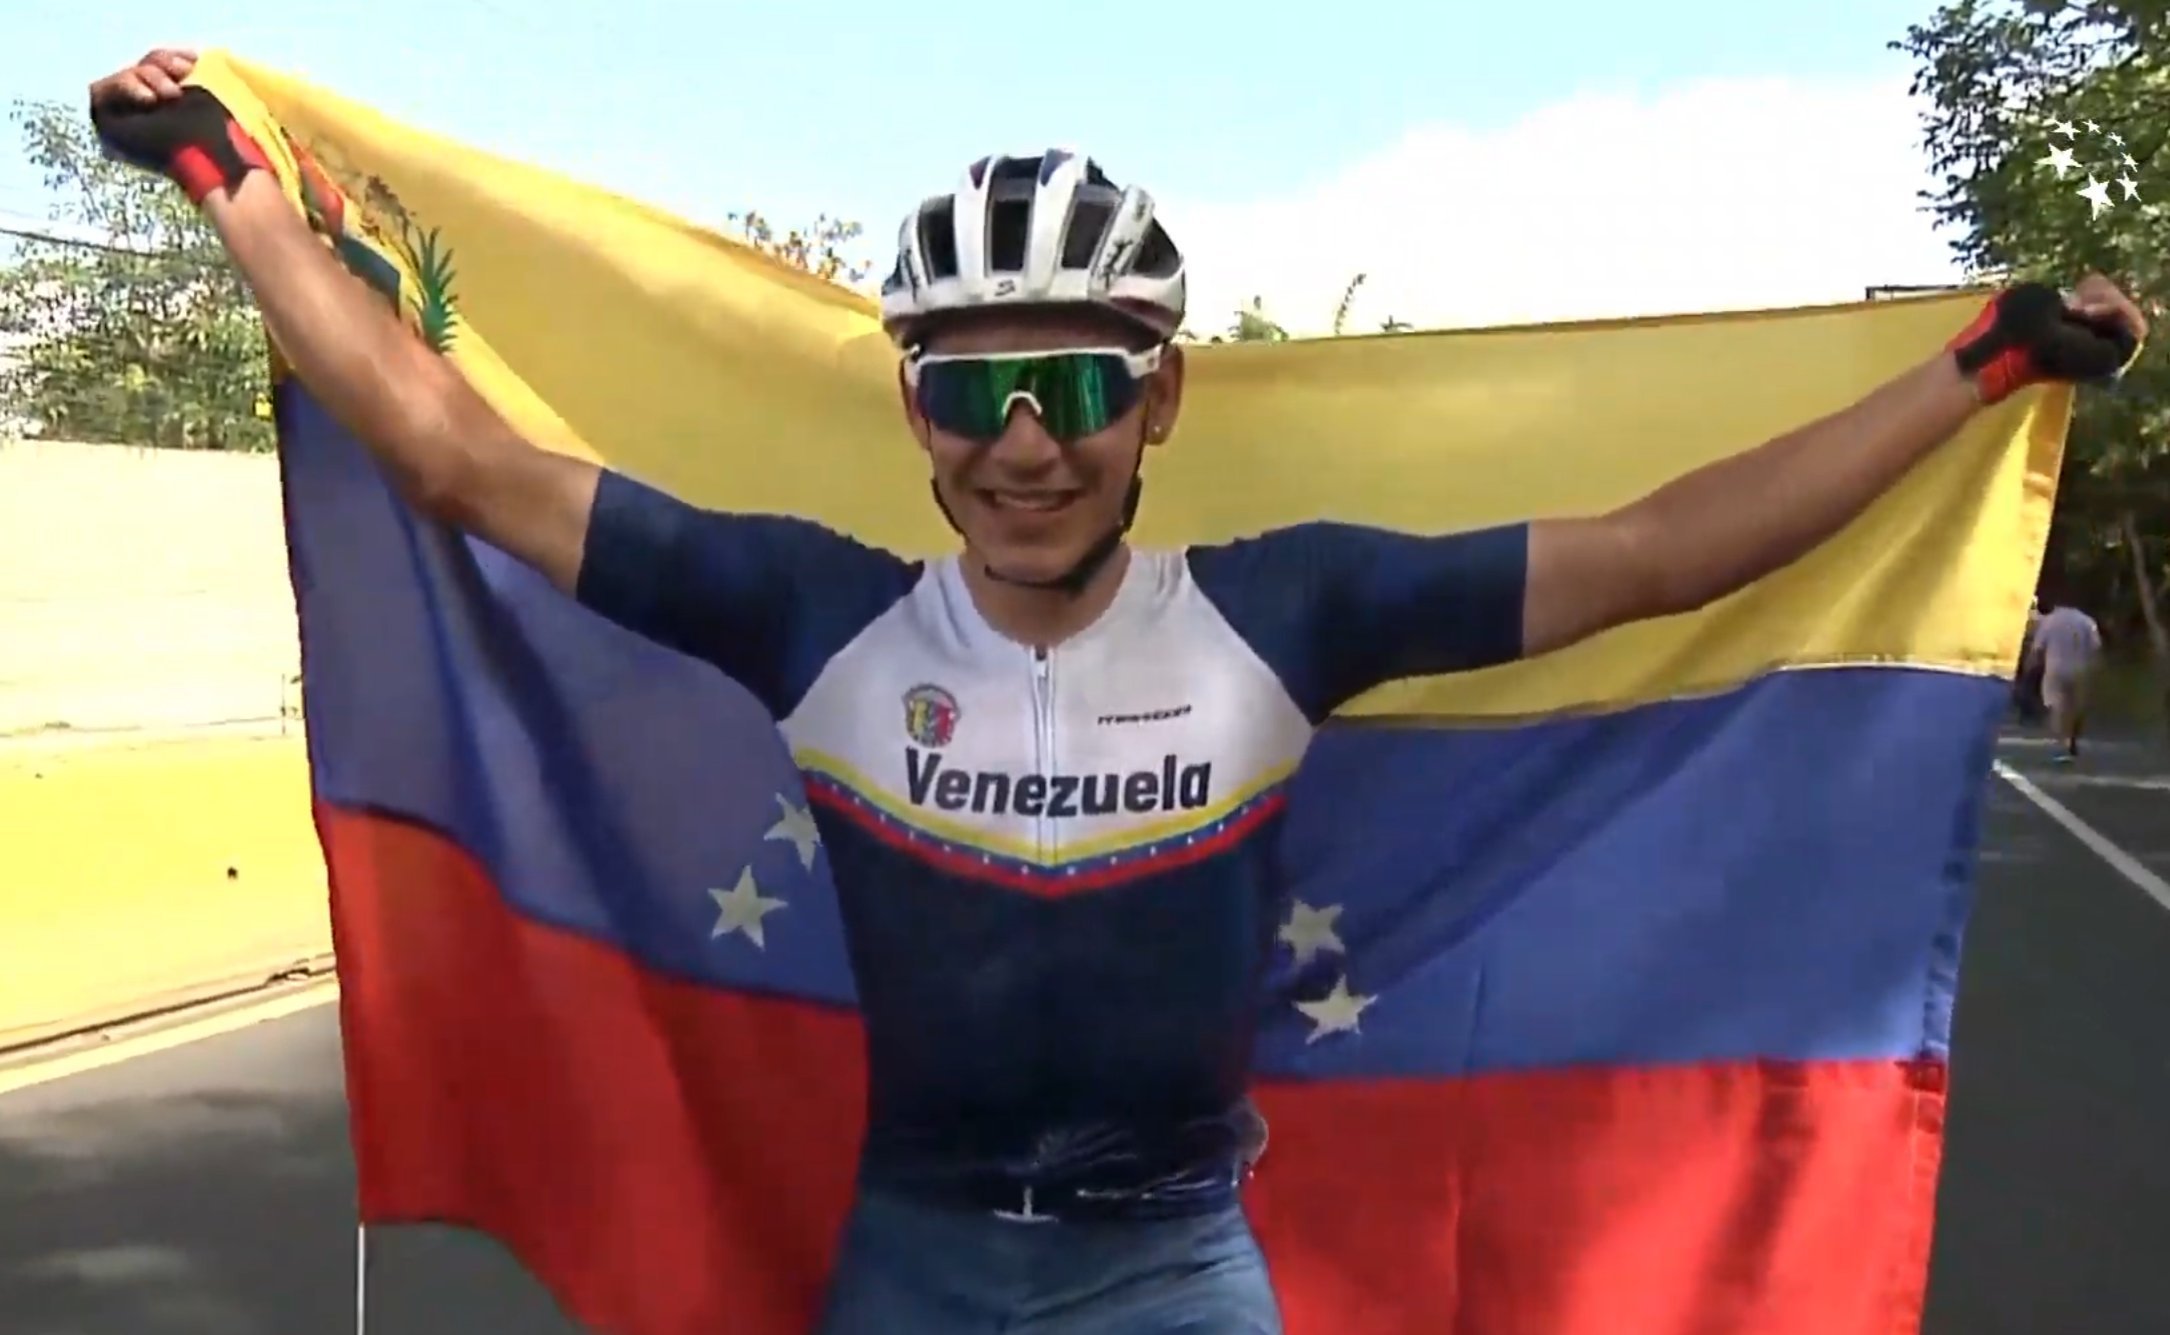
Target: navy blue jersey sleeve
x=769, y=599
x=1336, y=609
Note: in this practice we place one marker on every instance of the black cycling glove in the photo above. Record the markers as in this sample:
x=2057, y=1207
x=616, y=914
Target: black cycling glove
x=191, y=139
x=2026, y=335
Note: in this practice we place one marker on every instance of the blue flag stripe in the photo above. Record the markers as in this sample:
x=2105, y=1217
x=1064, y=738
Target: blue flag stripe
x=1499, y=899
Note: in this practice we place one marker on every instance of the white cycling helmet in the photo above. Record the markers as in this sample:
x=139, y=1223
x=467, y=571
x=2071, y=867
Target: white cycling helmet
x=1049, y=230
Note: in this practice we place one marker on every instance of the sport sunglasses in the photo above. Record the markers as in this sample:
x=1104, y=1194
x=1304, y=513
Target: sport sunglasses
x=1074, y=392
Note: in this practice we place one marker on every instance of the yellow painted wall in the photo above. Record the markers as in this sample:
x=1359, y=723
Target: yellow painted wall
x=154, y=804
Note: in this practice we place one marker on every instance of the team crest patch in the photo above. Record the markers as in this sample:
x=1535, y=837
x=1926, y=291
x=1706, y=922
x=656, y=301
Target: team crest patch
x=930, y=715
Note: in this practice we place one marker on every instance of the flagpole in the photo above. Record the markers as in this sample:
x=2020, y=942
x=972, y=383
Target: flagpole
x=361, y=1279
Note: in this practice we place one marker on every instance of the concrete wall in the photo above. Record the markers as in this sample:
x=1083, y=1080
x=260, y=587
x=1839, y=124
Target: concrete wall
x=141, y=589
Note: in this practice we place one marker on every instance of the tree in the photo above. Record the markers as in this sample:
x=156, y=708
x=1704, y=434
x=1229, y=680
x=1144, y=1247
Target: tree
x=1389, y=325
x=2049, y=123
x=818, y=249
x=1252, y=326
x=149, y=337
x=1348, y=299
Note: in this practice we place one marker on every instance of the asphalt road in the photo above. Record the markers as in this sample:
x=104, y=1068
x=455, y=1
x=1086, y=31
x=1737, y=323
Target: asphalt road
x=208, y=1188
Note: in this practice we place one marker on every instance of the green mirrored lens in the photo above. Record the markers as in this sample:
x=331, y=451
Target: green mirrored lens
x=1077, y=393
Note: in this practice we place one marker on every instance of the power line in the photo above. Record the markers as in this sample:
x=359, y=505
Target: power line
x=56, y=239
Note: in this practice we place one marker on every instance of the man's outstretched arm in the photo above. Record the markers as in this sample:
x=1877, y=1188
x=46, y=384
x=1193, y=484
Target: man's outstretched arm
x=1728, y=524
x=764, y=598
x=440, y=444
x=1338, y=609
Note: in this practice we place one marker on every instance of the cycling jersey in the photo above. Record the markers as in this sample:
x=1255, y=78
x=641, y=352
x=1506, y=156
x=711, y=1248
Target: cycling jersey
x=1057, y=868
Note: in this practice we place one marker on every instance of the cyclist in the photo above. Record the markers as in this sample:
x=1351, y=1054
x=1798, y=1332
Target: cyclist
x=1047, y=767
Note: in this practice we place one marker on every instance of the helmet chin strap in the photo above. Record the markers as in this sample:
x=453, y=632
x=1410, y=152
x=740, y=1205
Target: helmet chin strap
x=1071, y=582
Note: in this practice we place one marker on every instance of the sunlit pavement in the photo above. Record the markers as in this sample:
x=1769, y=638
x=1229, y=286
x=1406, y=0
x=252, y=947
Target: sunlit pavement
x=207, y=1189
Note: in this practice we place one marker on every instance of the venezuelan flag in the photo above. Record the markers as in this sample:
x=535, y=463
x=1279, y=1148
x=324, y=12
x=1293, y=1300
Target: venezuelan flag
x=1642, y=955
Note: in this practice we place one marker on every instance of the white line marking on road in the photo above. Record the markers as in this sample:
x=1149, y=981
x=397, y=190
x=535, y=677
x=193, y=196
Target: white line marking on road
x=2121, y=862
x=165, y=1039
x=2130, y=784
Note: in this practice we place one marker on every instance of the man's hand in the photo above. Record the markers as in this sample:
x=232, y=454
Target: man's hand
x=155, y=78
x=145, y=116
x=2097, y=300
x=2030, y=334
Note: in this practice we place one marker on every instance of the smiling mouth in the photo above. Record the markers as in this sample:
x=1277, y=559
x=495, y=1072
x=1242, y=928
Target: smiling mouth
x=1028, y=502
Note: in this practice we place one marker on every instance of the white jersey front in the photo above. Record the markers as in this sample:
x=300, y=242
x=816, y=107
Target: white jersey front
x=1058, y=869
x=1053, y=772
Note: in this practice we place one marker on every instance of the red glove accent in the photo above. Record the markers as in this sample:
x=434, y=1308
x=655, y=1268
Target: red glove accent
x=2025, y=336
x=2006, y=372
x=198, y=172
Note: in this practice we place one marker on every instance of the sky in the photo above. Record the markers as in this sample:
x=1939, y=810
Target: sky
x=1484, y=164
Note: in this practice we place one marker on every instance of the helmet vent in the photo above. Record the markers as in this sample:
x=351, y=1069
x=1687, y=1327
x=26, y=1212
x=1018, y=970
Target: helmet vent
x=1088, y=224
x=938, y=238
x=1009, y=223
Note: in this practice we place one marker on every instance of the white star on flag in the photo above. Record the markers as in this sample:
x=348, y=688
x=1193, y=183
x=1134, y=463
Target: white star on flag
x=2096, y=193
x=1309, y=931
x=741, y=909
x=1336, y=1012
x=796, y=827
x=2062, y=158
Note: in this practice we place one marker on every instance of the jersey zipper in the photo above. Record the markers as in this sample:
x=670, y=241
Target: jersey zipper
x=1043, y=719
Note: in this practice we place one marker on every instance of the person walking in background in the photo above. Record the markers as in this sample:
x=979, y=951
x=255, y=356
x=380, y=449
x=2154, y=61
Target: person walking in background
x=2066, y=644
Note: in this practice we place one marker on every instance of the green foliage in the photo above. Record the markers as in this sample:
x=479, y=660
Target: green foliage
x=152, y=339
x=432, y=261
x=2013, y=88
x=1252, y=326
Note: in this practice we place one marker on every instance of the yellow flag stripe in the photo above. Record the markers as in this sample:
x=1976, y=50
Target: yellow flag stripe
x=606, y=328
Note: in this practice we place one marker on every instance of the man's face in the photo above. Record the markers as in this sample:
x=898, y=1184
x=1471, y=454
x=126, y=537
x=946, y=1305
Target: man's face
x=1028, y=504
